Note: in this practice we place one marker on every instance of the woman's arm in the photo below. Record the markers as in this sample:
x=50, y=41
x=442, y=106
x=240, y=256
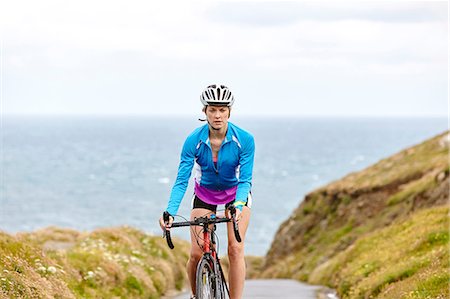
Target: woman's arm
x=184, y=173
x=245, y=172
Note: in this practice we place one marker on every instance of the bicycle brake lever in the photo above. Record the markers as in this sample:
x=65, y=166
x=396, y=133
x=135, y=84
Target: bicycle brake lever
x=235, y=224
x=166, y=217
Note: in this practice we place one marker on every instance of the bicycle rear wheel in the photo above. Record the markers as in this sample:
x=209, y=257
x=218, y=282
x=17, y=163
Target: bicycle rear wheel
x=205, y=280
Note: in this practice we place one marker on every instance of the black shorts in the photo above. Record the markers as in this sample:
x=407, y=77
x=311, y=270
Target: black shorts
x=197, y=203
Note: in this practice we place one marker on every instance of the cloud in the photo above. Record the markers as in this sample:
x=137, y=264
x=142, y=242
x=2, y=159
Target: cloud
x=93, y=24
x=282, y=13
x=72, y=54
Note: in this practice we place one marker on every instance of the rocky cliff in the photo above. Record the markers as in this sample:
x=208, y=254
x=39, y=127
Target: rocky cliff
x=341, y=227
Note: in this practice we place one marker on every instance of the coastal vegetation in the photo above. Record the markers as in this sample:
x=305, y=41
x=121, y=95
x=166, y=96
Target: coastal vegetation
x=382, y=232
x=107, y=263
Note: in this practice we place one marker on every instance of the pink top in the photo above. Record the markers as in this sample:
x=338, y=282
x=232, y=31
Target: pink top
x=213, y=197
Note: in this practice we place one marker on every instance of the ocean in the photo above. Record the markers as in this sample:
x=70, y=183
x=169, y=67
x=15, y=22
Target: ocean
x=91, y=172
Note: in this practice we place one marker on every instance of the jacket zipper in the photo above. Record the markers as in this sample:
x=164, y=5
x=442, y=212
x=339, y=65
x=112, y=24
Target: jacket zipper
x=216, y=168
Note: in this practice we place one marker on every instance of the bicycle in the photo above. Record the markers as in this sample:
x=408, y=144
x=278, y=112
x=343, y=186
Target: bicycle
x=210, y=280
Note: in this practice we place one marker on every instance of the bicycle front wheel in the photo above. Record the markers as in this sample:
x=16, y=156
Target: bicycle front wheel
x=205, y=280
x=220, y=282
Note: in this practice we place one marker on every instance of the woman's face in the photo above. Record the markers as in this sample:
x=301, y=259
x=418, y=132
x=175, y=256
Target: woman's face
x=217, y=116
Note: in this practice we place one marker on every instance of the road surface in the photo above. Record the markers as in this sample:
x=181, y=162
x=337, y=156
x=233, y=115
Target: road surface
x=274, y=288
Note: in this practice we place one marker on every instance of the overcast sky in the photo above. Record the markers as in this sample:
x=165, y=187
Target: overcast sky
x=155, y=57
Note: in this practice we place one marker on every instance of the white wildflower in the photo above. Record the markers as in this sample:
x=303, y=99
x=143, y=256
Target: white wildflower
x=89, y=275
x=6, y=271
x=51, y=269
x=135, y=260
x=42, y=269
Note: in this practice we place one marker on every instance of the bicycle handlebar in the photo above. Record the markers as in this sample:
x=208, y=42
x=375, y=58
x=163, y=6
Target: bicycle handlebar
x=166, y=217
x=232, y=209
x=202, y=221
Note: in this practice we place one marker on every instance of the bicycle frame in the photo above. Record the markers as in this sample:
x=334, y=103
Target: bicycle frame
x=208, y=239
x=209, y=250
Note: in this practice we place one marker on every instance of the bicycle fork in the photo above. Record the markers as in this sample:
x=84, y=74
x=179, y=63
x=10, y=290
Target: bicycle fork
x=218, y=275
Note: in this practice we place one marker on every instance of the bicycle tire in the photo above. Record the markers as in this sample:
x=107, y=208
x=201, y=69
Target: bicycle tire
x=205, y=280
x=220, y=282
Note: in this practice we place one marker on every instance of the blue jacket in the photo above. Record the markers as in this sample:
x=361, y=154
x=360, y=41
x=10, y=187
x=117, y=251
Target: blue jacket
x=234, y=164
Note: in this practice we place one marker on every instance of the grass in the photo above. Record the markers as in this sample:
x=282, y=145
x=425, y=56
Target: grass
x=407, y=251
x=106, y=263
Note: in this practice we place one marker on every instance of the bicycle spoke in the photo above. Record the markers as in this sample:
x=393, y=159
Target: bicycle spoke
x=205, y=281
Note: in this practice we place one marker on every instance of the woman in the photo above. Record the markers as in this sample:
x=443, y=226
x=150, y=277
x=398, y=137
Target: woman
x=222, y=154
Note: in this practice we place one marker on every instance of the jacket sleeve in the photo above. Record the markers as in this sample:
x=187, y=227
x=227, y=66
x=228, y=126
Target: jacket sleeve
x=184, y=173
x=245, y=172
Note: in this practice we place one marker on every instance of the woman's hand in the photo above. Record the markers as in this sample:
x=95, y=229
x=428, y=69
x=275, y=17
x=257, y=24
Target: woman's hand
x=237, y=214
x=165, y=226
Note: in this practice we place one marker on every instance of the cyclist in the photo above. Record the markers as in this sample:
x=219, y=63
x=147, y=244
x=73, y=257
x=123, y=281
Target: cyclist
x=222, y=155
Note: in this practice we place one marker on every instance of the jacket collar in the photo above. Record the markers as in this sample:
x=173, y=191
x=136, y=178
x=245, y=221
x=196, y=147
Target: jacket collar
x=204, y=136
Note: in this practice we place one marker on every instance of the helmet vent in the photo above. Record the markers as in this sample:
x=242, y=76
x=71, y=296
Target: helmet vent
x=218, y=94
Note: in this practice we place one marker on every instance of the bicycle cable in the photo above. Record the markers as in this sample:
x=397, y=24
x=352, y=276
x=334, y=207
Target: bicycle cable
x=198, y=233
x=216, y=236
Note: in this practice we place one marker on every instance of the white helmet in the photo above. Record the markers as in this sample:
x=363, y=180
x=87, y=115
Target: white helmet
x=218, y=95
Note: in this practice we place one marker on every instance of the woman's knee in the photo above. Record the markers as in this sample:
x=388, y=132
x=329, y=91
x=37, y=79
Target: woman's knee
x=235, y=251
x=196, y=254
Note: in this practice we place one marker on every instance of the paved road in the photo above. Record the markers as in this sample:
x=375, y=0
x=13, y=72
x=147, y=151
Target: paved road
x=274, y=288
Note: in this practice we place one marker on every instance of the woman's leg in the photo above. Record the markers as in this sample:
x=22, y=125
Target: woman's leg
x=196, y=251
x=236, y=275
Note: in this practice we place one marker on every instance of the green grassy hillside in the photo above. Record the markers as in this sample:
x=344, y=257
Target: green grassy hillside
x=106, y=263
x=378, y=233
x=408, y=259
